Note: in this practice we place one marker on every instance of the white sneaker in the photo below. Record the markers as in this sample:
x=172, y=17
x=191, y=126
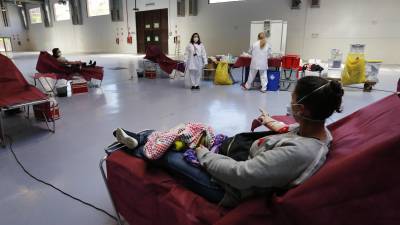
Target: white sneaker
x=244, y=87
x=263, y=91
x=125, y=139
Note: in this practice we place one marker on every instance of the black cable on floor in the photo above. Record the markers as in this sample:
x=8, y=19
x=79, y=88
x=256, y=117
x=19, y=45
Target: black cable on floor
x=10, y=141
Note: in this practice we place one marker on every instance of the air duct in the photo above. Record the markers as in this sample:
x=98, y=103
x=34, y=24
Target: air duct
x=4, y=13
x=48, y=22
x=296, y=4
x=136, y=8
x=22, y=15
x=76, y=12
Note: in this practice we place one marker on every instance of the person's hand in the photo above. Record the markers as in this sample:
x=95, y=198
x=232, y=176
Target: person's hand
x=264, y=118
x=201, y=147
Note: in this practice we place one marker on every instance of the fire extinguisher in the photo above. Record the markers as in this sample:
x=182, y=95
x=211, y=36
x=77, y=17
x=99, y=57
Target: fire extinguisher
x=129, y=39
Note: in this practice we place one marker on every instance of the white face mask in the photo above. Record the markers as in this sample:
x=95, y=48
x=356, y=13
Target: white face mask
x=290, y=111
x=196, y=39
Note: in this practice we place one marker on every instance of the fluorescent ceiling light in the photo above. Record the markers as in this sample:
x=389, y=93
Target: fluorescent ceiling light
x=220, y=1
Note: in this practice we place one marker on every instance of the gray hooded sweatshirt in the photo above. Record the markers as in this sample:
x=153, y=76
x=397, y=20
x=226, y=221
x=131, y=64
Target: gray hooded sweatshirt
x=277, y=161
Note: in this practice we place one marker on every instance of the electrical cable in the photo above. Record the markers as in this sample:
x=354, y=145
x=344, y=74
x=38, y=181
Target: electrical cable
x=10, y=141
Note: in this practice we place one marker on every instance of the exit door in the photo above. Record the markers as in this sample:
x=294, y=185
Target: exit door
x=5, y=44
x=152, y=29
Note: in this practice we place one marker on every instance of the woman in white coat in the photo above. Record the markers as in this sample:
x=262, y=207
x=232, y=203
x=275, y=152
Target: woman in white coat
x=260, y=51
x=195, y=58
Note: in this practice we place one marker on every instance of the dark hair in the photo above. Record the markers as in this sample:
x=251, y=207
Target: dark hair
x=54, y=51
x=320, y=96
x=191, y=39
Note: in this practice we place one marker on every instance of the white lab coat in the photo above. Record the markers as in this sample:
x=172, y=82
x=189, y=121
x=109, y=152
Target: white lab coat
x=259, y=56
x=195, y=59
x=259, y=63
x=195, y=56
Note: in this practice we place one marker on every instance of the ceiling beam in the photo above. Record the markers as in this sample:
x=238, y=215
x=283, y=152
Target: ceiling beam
x=24, y=1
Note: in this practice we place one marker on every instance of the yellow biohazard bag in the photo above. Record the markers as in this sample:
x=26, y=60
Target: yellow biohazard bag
x=222, y=74
x=354, y=70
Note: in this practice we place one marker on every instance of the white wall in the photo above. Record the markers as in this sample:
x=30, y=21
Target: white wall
x=96, y=35
x=339, y=23
x=15, y=31
x=224, y=28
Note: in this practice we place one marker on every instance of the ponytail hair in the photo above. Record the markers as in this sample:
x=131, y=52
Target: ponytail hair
x=320, y=96
x=263, y=40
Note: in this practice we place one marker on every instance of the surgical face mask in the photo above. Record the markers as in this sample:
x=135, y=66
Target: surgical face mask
x=298, y=115
x=196, y=39
x=289, y=110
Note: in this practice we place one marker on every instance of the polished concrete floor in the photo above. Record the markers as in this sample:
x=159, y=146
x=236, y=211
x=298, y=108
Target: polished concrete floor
x=69, y=158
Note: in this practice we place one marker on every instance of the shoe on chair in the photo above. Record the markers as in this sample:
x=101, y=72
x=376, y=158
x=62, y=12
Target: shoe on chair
x=125, y=139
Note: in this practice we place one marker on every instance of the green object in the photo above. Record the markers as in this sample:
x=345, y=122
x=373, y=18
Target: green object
x=179, y=146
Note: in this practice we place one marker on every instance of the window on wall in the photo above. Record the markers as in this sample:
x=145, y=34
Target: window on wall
x=35, y=15
x=220, y=1
x=61, y=11
x=5, y=44
x=2, y=45
x=181, y=8
x=98, y=7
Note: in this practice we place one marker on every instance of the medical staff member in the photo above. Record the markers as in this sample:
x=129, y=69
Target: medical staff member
x=260, y=51
x=195, y=58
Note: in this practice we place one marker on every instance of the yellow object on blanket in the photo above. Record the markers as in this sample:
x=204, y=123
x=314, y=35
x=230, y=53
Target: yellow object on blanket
x=179, y=146
x=354, y=70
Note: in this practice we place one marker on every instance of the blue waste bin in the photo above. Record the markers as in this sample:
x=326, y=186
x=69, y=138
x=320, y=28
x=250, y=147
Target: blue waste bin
x=273, y=80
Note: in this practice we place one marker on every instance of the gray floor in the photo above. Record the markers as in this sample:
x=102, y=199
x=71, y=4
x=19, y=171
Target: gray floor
x=69, y=158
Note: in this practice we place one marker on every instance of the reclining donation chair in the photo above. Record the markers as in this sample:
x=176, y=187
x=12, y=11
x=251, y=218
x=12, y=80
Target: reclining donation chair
x=16, y=92
x=49, y=67
x=359, y=184
x=155, y=55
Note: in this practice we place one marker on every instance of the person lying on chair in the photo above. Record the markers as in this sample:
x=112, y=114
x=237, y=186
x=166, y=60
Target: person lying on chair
x=58, y=55
x=272, y=163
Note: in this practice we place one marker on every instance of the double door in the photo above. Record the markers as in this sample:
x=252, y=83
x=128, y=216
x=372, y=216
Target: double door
x=152, y=29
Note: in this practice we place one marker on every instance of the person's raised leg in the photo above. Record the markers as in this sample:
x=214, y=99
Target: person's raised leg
x=194, y=178
x=125, y=136
x=143, y=136
x=125, y=139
